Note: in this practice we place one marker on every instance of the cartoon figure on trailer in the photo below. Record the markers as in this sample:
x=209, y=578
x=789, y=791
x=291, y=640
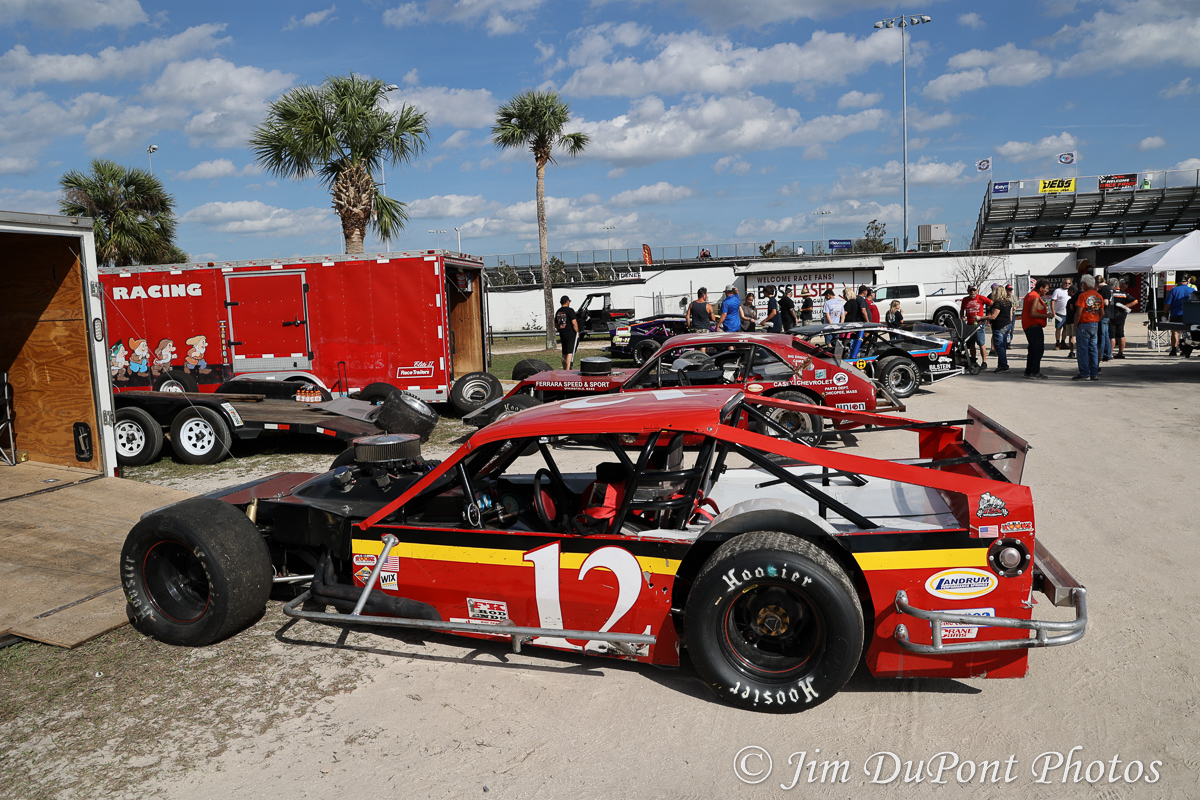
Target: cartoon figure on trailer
x=195, y=357
x=118, y=365
x=139, y=356
x=163, y=355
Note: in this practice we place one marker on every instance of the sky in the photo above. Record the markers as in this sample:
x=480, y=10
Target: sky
x=711, y=121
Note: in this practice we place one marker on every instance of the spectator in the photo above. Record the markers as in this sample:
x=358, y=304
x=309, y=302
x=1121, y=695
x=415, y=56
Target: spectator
x=1001, y=317
x=700, y=314
x=1060, y=297
x=857, y=311
x=806, y=305
x=1069, y=327
x=972, y=311
x=1123, y=301
x=1174, y=302
x=787, y=309
x=1105, y=291
x=705, y=254
x=1034, y=313
x=894, y=318
x=731, y=310
x=772, y=322
x=1089, y=309
x=749, y=314
x=567, y=324
x=872, y=309
x=832, y=312
x=1009, y=288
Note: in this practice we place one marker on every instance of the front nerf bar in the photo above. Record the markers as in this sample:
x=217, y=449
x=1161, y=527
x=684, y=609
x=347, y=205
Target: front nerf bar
x=1049, y=577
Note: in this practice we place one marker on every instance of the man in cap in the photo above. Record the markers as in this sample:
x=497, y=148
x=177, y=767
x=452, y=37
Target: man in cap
x=973, y=309
x=731, y=311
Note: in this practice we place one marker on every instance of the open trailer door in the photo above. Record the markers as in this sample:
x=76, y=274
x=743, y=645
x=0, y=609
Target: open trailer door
x=464, y=301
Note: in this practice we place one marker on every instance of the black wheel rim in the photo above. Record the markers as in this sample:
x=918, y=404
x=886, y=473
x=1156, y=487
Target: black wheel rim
x=175, y=581
x=772, y=633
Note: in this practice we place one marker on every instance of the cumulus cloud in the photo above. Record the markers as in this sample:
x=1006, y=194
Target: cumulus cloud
x=921, y=120
x=732, y=164
x=696, y=62
x=857, y=99
x=1028, y=151
x=1152, y=143
x=404, y=15
x=447, y=205
x=311, y=20
x=724, y=14
x=218, y=168
x=658, y=194
x=652, y=131
x=77, y=14
x=462, y=108
x=253, y=218
x=31, y=201
x=1178, y=89
x=30, y=120
x=848, y=212
x=498, y=17
x=887, y=179
x=20, y=67
x=17, y=165
x=1007, y=65
x=1190, y=163
x=1140, y=33
x=971, y=20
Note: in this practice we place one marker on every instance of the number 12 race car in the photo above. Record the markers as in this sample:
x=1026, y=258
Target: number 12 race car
x=774, y=564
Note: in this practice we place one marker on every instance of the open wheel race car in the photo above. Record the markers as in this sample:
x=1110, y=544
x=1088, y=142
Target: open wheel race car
x=899, y=358
x=640, y=339
x=777, y=566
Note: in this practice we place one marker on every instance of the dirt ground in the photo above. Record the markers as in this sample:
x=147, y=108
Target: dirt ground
x=294, y=710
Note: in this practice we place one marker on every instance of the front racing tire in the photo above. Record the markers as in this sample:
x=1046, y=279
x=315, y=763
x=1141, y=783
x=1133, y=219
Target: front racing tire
x=195, y=573
x=645, y=351
x=773, y=623
x=513, y=405
x=808, y=428
x=473, y=390
x=528, y=367
x=900, y=375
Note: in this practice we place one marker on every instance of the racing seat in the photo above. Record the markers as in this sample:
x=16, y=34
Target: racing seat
x=602, y=499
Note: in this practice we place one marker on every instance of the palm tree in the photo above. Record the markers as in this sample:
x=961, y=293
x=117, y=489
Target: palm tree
x=536, y=120
x=134, y=217
x=339, y=131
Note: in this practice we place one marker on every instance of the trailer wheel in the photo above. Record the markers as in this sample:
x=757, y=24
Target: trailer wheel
x=773, y=623
x=474, y=390
x=900, y=375
x=527, y=367
x=175, y=381
x=403, y=413
x=139, y=437
x=645, y=350
x=200, y=436
x=195, y=572
x=808, y=428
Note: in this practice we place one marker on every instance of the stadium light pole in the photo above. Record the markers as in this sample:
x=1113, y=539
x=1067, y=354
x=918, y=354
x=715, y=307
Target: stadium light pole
x=823, y=215
x=439, y=237
x=391, y=87
x=458, y=231
x=150, y=151
x=903, y=22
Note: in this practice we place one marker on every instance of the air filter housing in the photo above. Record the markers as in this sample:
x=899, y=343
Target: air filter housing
x=386, y=448
x=596, y=365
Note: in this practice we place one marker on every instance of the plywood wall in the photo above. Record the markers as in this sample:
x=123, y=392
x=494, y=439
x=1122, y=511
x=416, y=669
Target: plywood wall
x=44, y=346
x=466, y=322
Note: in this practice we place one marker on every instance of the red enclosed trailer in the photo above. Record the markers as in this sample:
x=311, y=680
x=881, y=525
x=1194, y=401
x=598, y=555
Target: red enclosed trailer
x=413, y=320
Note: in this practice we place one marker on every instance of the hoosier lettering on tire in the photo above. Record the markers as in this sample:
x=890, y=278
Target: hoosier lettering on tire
x=773, y=623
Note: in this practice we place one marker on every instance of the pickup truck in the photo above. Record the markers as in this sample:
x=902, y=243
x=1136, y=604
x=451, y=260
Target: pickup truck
x=597, y=315
x=940, y=307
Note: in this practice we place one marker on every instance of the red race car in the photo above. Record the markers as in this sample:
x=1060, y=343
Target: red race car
x=778, y=566
x=767, y=364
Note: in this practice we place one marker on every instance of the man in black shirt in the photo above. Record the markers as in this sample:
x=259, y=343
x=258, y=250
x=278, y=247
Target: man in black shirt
x=1105, y=343
x=856, y=311
x=699, y=314
x=567, y=325
x=1123, y=302
x=772, y=323
x=806, y=305
x=787, y=309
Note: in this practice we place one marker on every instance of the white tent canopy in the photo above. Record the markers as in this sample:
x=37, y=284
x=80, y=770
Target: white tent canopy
x=1178, y=254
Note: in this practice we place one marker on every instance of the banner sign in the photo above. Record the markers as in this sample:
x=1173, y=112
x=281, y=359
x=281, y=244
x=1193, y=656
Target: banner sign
x=646, y=255
x=1000, y=187
x=1127, y=180
x=841, y=244
x=1056, y=185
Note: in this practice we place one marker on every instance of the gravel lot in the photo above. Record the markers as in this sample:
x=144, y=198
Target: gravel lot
x=400, y=714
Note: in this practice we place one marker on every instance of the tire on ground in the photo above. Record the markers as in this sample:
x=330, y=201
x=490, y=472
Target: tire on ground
x=200, y=436
x=773, y=623
x=513, y=405
x=796, y=421
x=175, y=380
x=377, y=393
x=645, y=350
x=139, y=437
x=901, y=375
x=195, y=573
x=527, y=367
x=473, y=390
x=403, y=413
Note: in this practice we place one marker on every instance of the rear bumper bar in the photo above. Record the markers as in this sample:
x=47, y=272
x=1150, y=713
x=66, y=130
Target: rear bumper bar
x=1049, y=577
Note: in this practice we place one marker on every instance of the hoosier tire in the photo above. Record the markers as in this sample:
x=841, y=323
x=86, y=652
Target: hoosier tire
x=527, y=367
x=773, y=623
x=139, y=437
x=901, y=375
x=513, y=405
x=809, y=428
x=645, y=351
x=403, y=413
x=195, y=573
x=200, y=436
x=378, y=393
x=473, y=390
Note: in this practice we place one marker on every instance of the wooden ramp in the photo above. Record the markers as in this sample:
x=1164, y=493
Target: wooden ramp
x=61, y=531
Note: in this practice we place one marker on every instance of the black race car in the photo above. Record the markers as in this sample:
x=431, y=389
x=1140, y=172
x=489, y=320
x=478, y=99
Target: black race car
x=640, y=338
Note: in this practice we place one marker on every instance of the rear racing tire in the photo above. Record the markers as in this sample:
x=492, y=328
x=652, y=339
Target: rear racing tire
x=377, y=393
x=528, y=367
x=195, y=573
x=810, y=427
x=473, y=390
x=175, y=381
x=139, y=437
x=901, y=375
x=404, y=413
x=773, y=623
x=200, y=436
x=645, y=351
x=513, y=405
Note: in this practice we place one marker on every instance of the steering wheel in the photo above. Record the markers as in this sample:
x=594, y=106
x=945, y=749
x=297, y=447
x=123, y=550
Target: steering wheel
x=547, y=498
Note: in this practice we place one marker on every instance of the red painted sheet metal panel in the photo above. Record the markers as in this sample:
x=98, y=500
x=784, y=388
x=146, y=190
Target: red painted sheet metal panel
x=270, y=318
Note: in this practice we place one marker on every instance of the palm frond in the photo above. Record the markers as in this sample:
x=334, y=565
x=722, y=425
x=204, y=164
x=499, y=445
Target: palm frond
x=388, y=218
